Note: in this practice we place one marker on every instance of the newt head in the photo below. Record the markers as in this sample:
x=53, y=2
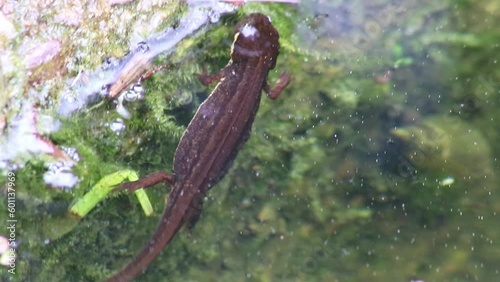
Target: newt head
x=256, y=37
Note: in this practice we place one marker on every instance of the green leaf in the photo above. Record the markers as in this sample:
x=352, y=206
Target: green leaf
x=106, y=185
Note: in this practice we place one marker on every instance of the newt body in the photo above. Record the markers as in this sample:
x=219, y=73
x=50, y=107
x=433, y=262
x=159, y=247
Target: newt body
x=221, y=125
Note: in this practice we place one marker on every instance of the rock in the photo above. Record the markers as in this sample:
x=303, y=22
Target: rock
x=448, y=148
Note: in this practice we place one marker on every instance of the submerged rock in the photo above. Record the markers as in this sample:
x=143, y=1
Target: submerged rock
x=442, y=166
x=447, y=148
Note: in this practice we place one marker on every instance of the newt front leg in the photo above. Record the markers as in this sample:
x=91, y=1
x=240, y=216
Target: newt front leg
x=271, y=92
x=279, y=86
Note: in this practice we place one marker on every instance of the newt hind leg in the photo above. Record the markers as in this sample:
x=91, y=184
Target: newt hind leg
x=148, y=181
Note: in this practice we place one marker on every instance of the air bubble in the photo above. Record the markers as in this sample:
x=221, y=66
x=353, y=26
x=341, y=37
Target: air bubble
x=71, y=152
x=214, y=17
x=117, y=126
x=136, y=92
x=142, y=47
x=59, y=175
x=109, y=63
x=104, y=91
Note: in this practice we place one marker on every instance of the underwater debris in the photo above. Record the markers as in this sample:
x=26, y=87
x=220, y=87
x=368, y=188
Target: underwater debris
x=24, y=138
x=110, y=81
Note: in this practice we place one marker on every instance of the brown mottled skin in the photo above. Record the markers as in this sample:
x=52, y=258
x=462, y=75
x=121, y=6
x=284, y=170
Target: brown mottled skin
x=216, y=133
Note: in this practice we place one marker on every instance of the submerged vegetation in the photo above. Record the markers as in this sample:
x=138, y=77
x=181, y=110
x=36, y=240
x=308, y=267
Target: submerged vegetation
x=378, y=163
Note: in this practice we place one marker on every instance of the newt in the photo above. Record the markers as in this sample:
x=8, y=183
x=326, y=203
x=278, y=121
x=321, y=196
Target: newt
x=218, y=130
